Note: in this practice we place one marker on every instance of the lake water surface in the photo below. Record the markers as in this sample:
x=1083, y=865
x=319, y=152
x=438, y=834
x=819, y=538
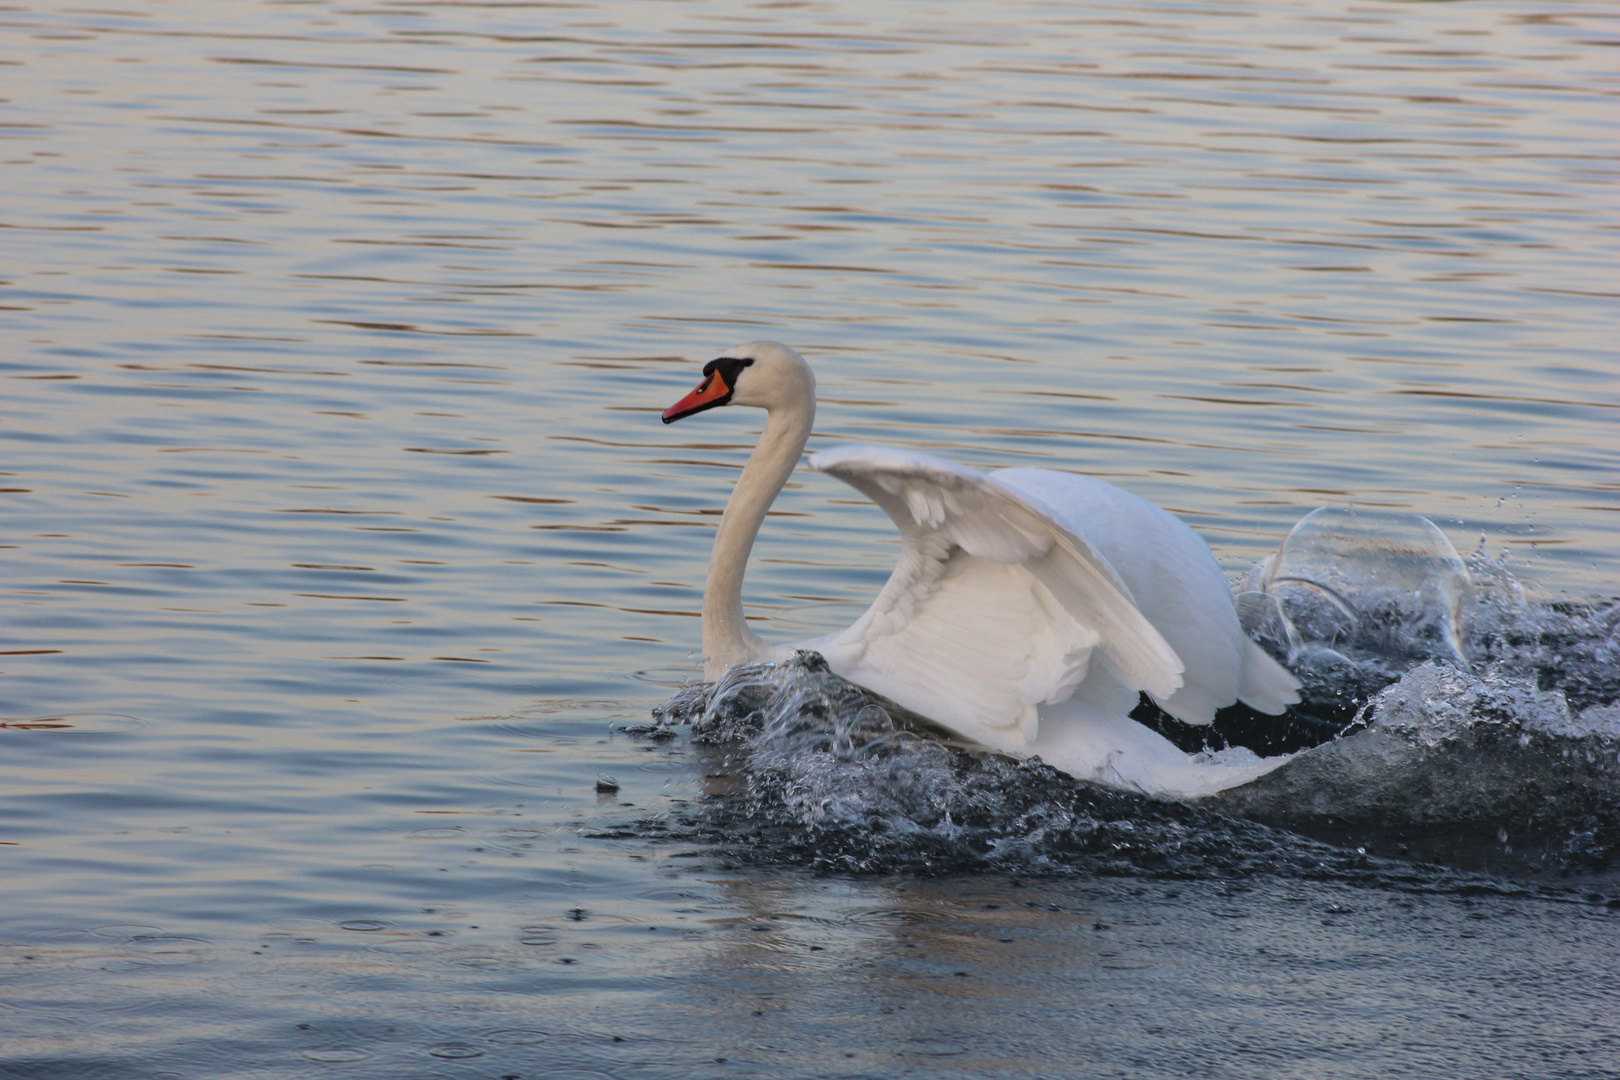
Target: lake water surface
x=341, y=539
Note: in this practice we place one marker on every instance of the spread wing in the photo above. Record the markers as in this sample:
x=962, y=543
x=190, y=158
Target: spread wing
x=993, y=608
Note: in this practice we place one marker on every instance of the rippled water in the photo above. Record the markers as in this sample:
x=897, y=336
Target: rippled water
x=340, y=533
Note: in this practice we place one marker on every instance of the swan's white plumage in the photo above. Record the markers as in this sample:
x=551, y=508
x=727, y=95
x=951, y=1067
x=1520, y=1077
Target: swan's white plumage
x=1267, y=686
x=977, y=651
x=993, y=607
x=1177, y=586
x=1026, y=610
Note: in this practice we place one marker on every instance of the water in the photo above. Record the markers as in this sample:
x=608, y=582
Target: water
x=342, y=540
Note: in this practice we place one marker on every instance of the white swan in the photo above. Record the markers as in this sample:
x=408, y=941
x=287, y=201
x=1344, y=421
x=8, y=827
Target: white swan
x=1028, y=607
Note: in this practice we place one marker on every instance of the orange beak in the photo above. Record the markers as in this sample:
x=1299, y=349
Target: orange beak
x=711, y=391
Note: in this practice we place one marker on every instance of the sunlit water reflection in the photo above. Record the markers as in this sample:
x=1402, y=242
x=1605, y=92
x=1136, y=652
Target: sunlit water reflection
x=340, y=531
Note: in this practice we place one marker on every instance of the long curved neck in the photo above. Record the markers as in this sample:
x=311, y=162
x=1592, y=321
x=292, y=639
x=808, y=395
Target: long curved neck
x=727, y=640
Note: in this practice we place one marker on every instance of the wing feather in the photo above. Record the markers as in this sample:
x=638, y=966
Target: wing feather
x=993, y=607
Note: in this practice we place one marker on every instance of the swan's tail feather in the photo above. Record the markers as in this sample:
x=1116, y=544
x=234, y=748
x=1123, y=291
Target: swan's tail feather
x=1267, y=686
x=1190, y=704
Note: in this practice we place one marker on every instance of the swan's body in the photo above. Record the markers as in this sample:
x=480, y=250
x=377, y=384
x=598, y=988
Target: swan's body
x=1028, y=609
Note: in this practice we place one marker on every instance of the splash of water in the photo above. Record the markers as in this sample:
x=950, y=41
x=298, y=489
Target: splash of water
x=812, y=770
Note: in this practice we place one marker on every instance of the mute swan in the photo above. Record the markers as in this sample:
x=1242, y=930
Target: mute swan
x=1028, y=607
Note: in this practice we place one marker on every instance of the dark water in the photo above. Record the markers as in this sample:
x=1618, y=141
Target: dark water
x=342, y=544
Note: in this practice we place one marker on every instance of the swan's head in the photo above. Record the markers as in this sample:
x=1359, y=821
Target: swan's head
x=764, y=374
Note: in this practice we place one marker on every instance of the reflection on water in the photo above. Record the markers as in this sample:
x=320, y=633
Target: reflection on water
x=339, y=530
